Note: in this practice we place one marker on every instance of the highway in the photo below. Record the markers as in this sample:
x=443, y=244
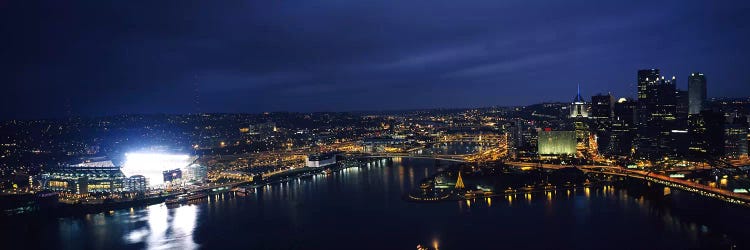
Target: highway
x=697, y=188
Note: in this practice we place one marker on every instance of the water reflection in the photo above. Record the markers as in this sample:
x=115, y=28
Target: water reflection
x=166, y=228
x=303, y=212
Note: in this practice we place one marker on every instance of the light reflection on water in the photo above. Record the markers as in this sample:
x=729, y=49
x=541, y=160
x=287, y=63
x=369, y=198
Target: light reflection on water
x=166, y=228
x=324, y=202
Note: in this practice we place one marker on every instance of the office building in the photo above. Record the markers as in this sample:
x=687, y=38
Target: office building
x=657, y=111
x=623, y=128
x=696, y=92
x=579, y=108
x=706, y=131
x=647, y=79
x=602, y=109
x=682, y=108
x=557, y=142
x=735, y=138
x=602, y=106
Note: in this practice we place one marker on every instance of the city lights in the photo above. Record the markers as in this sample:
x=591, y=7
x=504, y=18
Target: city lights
x=152, y=165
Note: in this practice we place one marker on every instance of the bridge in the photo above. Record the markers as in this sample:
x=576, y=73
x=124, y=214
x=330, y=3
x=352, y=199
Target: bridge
x=697, y=188
x=452, y=158
x=490, y=138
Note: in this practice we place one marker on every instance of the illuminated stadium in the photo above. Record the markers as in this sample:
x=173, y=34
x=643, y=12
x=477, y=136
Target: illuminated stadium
x=152, y=165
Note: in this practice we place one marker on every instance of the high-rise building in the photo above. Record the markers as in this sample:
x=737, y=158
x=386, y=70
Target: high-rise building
x=682, y=98
x=579, y=108
x=625, y=109
x=735, y=137
x=706, y=131
x=623, y=128
x=680, y=137
x=647, y=78
x=665, y=101
x=657, y=108
x=696, y=92
x=515, y=134
x=602, y=108
x=580, y=114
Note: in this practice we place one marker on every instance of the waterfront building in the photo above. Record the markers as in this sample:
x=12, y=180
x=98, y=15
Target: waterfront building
x=696, y=92
x=136, y=183
x=557, y=142
x=320, y=160
x=92, y=175
x=196, y=173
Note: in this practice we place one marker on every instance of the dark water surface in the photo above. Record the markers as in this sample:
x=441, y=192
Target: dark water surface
x=362, y=208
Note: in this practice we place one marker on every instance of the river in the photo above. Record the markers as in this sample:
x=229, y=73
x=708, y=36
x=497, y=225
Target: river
x=362, y=208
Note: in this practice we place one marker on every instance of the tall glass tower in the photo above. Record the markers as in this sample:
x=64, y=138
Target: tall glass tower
x=696, y=93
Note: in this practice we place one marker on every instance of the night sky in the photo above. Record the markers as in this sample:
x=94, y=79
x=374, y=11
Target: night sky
x=103, y=58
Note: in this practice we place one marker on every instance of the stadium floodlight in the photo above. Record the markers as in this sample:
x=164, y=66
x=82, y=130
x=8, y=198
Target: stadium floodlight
x=152, y=165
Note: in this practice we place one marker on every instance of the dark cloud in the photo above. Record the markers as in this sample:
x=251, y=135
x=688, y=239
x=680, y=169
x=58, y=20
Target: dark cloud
x=98, y=57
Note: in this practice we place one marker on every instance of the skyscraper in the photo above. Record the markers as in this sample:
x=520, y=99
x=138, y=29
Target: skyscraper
x=657, y=108
x=682, y=97
x=706, y=131
x=602, y=107
x=735, y=137
x=623, y=127
x=579, y=112
x=697, y=92
x=647, y=78
x=579, y=108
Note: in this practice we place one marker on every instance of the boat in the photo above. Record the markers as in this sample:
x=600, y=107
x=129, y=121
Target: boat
x=184, y=198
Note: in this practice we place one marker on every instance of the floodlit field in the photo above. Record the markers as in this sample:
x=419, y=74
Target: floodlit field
x=151, y=165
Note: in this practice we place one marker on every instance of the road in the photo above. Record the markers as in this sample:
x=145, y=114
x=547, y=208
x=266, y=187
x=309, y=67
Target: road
x=697, y=188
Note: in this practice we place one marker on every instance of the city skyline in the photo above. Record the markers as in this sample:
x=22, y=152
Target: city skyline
x=239, y=59
x=578, y=98
x=375, y=124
